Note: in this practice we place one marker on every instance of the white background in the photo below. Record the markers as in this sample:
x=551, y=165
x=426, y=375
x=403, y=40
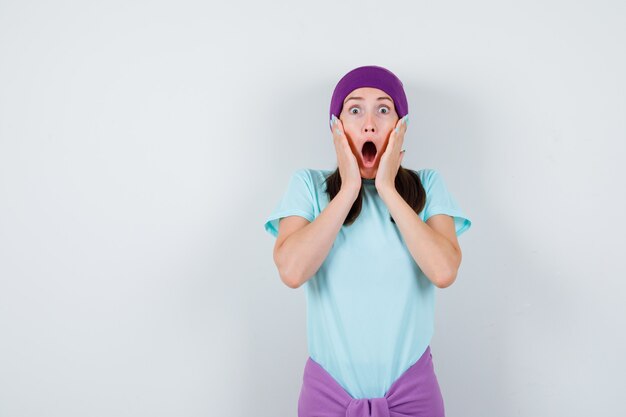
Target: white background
x=143, y=144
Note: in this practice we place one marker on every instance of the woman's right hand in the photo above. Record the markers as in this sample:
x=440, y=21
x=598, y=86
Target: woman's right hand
x=346, y=161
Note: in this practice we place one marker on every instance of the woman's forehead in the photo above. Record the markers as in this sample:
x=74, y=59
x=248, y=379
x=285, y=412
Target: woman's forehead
x=368, y=93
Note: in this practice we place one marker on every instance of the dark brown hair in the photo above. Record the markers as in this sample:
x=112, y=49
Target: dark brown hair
x=407, y=183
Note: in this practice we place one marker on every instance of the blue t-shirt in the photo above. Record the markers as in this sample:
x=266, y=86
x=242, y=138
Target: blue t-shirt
x=370, y=308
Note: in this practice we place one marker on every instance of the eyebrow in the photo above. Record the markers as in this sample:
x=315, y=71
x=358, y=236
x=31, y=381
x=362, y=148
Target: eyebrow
x=361, y=98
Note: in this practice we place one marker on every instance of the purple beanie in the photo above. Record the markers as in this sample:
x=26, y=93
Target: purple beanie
x=369, y=76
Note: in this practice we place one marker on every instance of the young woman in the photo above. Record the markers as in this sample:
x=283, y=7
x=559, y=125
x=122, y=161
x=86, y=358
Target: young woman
x=369, y=242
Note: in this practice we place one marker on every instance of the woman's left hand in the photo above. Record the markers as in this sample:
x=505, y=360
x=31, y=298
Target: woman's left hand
x=392, y=158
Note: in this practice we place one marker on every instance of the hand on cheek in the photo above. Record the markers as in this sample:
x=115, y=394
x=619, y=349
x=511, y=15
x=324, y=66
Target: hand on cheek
x=392, y=158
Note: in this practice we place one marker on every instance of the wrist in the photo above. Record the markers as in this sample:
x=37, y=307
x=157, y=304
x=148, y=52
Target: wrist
x=386, y=191
x=350, y=192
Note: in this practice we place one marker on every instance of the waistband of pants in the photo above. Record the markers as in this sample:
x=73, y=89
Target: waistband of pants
x=414, y=393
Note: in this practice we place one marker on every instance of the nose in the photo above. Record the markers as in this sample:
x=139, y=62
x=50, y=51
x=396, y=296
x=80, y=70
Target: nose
x=368, y=125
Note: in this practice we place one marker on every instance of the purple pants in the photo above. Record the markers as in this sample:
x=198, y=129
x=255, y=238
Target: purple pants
x=415, y=393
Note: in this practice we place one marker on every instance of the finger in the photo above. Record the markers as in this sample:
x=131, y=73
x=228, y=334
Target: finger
x=401, y=128
x=401, y=131
x=338, y=124
x=339, y=136
x=337, y=130
x=393, y=139
x=339, y=127
x=397, y=131
x=400, y=139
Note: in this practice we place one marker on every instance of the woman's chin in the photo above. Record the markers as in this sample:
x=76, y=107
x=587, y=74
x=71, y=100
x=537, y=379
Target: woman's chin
x=368, y=173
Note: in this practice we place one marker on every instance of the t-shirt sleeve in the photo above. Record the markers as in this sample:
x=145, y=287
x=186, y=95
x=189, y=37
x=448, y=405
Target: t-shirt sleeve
x=440, y=201
x=297, y=200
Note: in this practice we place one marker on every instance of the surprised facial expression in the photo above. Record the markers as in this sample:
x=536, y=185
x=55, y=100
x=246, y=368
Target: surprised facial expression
x=368, y=117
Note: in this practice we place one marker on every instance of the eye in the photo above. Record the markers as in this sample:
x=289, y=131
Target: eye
x=353, y=108
x=386, y=109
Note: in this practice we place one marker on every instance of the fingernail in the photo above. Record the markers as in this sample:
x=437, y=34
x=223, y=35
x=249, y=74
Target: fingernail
x=396, y=129
x=337, y=131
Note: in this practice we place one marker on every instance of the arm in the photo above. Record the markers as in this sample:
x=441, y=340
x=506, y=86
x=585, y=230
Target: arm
x=299, y=254
x=433, y=244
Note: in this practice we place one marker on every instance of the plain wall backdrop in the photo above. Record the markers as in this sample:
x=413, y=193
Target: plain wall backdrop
x=143, y=144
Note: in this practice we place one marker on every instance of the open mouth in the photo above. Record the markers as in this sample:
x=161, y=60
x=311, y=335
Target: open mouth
x=369, y=153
